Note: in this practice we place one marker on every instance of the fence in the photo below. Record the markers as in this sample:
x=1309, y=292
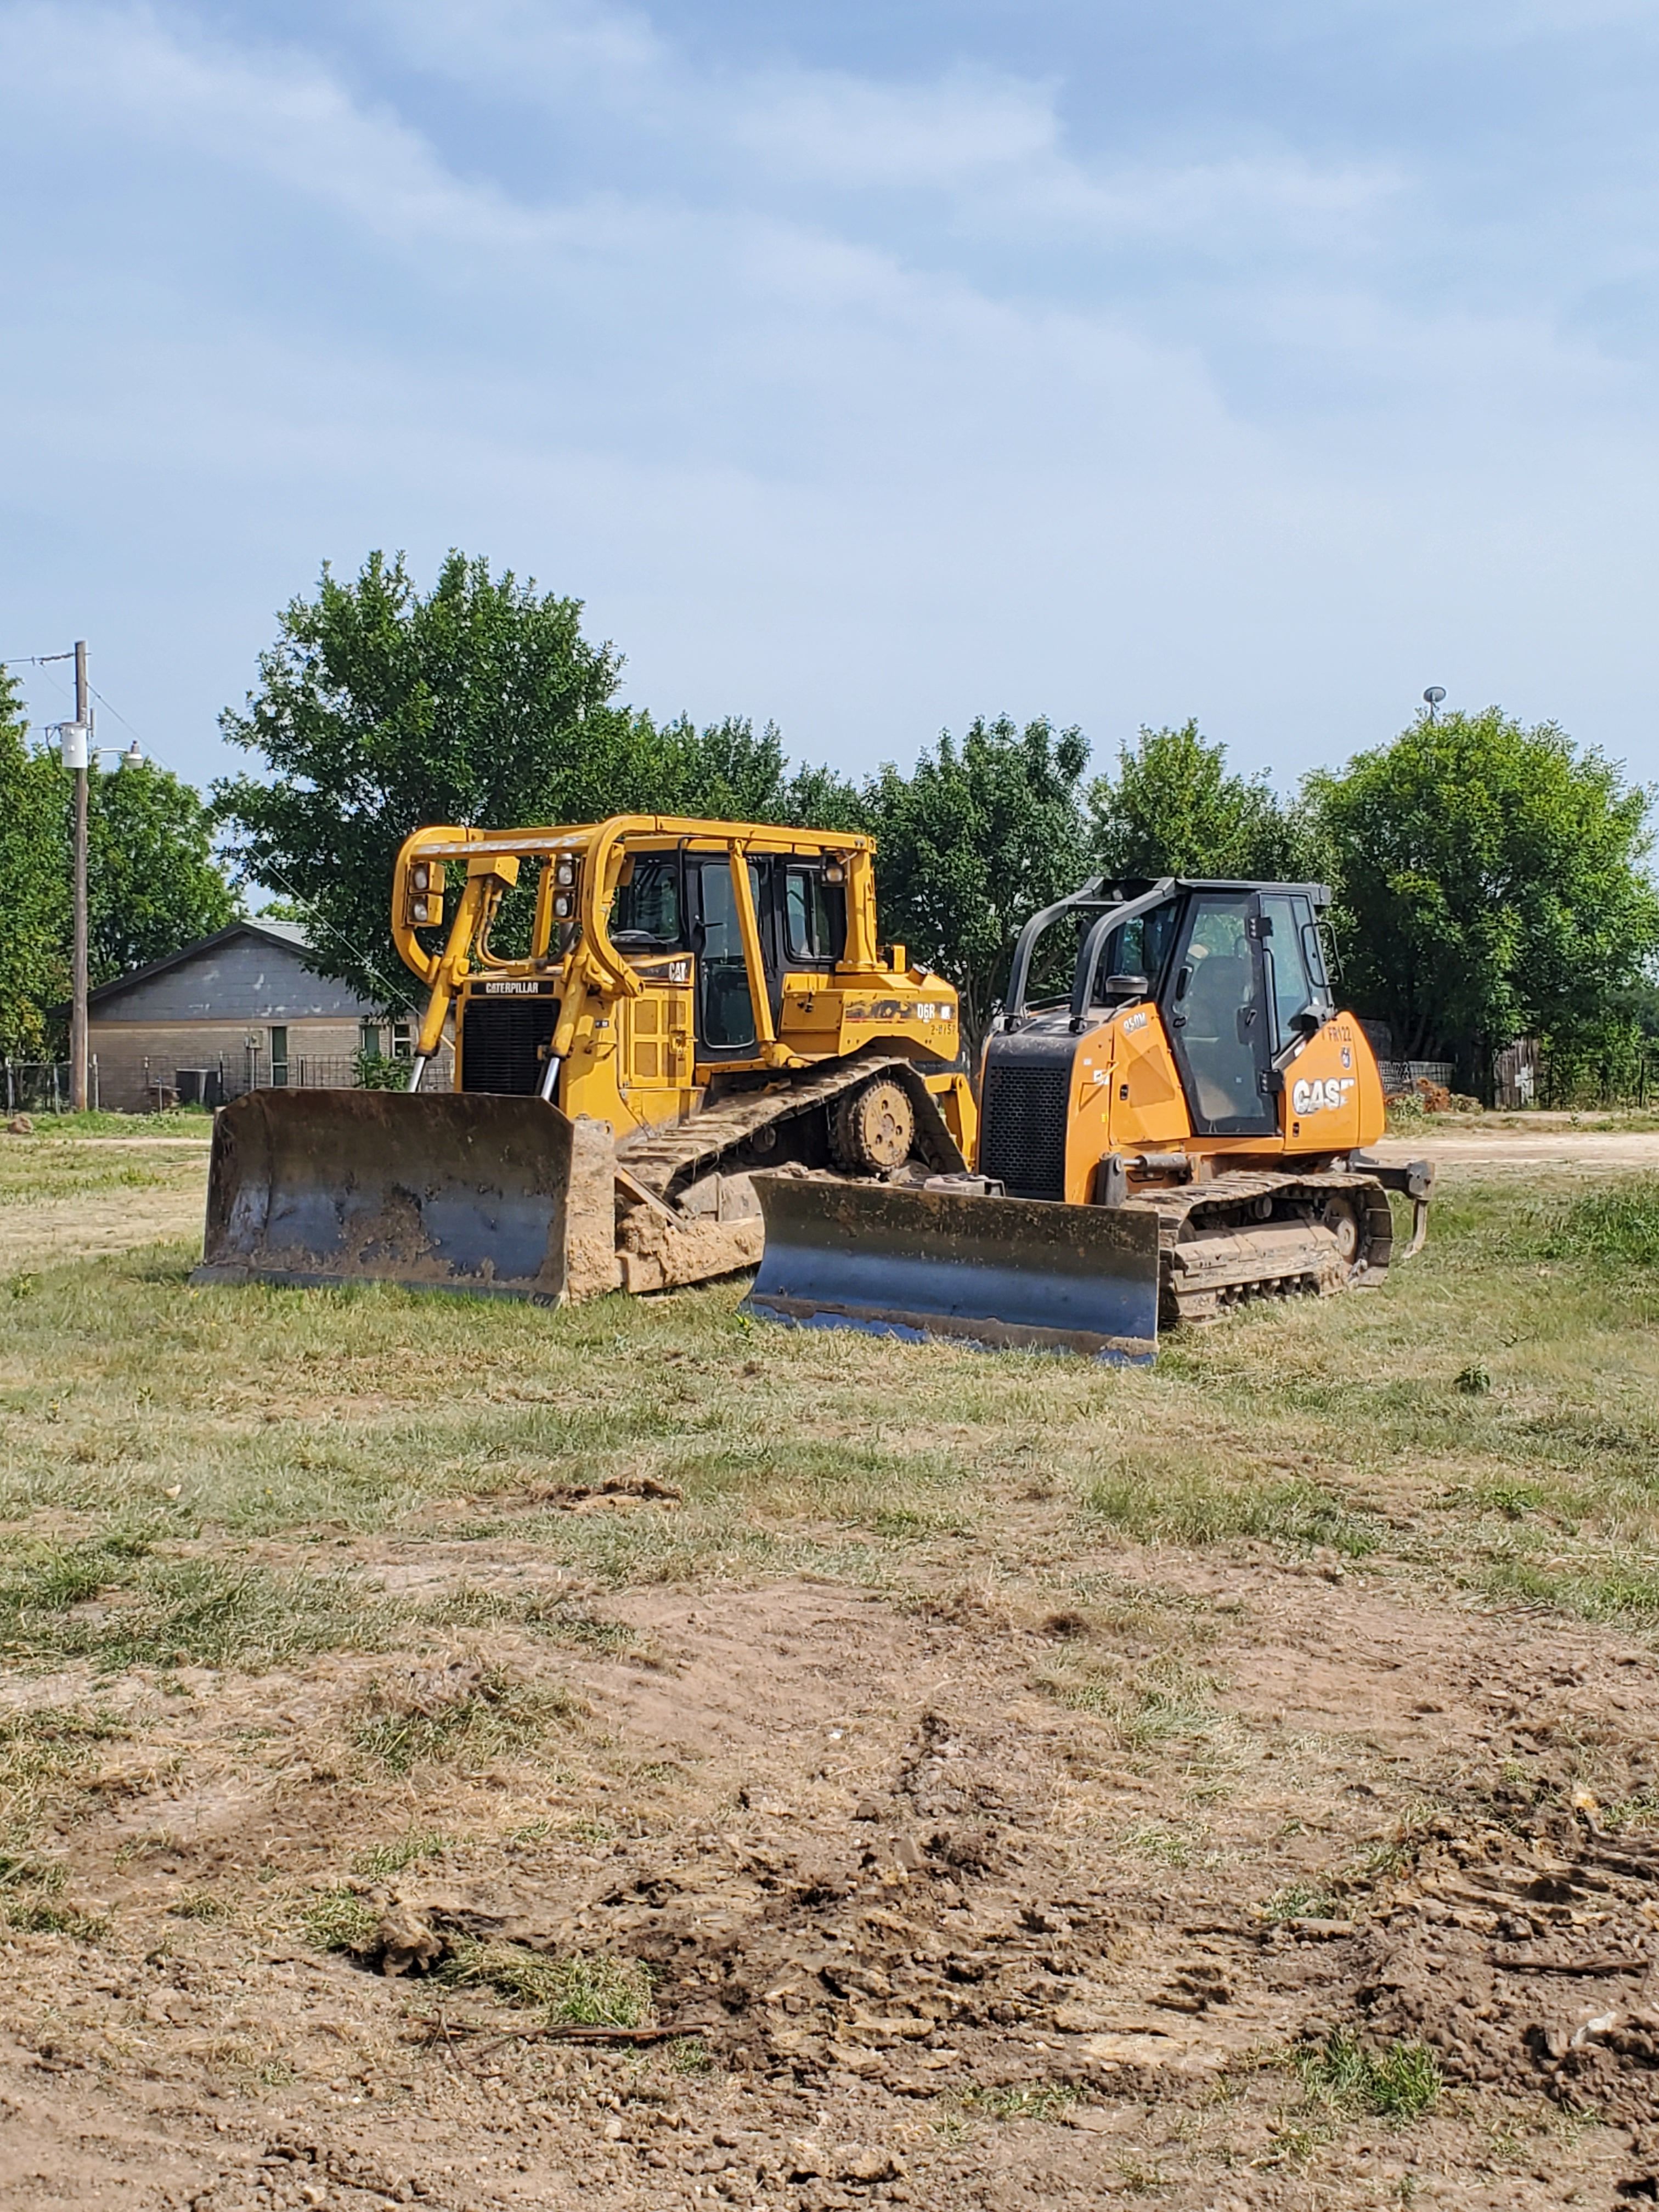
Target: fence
x=150, y=1085
x=1404, y=1075
x=42, y=1087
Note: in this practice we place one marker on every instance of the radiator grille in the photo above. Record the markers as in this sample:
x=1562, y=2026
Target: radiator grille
x=500, y=1039
x=1022, y=1137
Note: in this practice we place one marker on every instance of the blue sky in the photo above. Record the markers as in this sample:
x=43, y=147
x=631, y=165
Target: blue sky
x=861, y=367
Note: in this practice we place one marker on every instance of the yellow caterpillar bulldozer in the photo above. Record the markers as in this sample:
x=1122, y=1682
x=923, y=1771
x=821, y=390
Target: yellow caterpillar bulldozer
x=685, y=1002
x=1183, y=1131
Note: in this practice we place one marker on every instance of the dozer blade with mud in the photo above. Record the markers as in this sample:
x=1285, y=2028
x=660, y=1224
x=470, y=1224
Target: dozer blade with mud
x=1001, y=1274
x=459, y=1191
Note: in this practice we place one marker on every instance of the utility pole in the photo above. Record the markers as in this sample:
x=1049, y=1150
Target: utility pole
x=78, y=1012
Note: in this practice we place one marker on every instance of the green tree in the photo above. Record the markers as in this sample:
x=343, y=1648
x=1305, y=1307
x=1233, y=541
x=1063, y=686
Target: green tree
x=727, y=772
x=1171, y=809
x=379, y=708
x=1492, y=884
x=33, y=887
x=153, y=883
x=972, y=843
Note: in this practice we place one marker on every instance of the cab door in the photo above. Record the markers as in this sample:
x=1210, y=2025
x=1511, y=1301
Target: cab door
x=1217, y=1011
x=726, y=1013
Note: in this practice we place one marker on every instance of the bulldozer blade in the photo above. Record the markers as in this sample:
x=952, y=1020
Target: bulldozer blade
x=1001, y=1273
x=503, y=1197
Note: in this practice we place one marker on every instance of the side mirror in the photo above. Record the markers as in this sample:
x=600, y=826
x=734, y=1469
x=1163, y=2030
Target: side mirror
x=1308, y=1024
x=1126, y=987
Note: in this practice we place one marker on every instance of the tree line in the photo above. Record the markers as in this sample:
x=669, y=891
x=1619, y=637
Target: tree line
x=1492, y=879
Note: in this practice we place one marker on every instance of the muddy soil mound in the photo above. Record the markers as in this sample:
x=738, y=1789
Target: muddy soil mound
x=1525, y=1960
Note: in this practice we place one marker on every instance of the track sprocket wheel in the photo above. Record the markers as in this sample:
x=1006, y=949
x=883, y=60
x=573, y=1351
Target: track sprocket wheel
x=872, y=1129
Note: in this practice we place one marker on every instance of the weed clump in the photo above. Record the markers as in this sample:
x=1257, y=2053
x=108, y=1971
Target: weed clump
x=114, y=1601
x=1618, y=1227
x=339, y=1919
x=1024, y=2100
x=1301, y=1900
x=386, y=1860
x=575, y=1991
x=1400, y=2082
x=1194, y=1511
x=481, y=1712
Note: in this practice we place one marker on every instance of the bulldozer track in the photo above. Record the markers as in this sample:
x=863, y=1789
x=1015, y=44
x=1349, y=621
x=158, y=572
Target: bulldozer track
x=1217, y=1252
x=662, y=1158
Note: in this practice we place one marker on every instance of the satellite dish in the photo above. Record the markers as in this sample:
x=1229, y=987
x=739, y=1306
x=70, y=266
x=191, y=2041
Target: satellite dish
x=1435, y=693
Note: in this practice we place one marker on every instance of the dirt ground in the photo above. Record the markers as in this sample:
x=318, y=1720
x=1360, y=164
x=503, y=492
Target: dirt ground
x=1049, y=1857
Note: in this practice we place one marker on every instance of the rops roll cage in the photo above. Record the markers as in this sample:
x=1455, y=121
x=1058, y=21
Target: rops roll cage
x=1113, y=906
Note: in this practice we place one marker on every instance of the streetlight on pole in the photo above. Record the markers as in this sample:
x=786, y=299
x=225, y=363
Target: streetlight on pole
x=74, y=739
x=78, y=752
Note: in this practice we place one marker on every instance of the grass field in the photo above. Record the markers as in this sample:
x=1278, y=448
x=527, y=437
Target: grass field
x=291, y=1579
x=1491, y=1417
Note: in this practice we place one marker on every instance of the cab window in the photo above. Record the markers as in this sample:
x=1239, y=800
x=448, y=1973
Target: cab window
x=1140, y=947
x=814, y=919
x=648, y=916
x=1291, y=985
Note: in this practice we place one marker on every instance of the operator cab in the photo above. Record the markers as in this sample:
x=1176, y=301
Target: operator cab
x=686, y=901
x=1237, y=971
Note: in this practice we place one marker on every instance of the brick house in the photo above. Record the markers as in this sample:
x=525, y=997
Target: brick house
x=232, y=1013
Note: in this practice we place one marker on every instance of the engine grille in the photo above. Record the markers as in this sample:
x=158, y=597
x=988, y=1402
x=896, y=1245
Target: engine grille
x=500, y=1039
x=1022, y=1138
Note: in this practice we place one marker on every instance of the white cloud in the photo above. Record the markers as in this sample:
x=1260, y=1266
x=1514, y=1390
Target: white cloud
x=1120, y=437
x=271, y=113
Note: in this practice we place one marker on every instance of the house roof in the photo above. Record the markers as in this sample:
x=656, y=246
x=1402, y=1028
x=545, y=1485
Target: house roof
x=288, y=934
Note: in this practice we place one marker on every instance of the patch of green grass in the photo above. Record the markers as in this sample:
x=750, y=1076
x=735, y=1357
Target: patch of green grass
x=1193, y=1509
x=559, y=1619
x=34, y=1916
x=495, y=1717
x=339, y=1919
x=690, y=2054
x=385, y=1860
x=43, y=1750
x=1618, y=1227
x=1596, y=1590
x=1301, y=1900
x=1024, y=2100
x=180, y=1122
x=1144, y=1703
x=115, y=1602
x=574, y=1990
x=1402, y=2081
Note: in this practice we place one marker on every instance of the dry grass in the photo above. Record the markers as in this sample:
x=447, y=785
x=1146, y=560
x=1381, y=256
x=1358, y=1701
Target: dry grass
x=154, y=1435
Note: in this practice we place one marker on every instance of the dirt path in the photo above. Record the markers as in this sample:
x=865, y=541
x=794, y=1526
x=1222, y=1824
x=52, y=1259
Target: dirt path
x=56, y=1229
x=1521, y=1150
